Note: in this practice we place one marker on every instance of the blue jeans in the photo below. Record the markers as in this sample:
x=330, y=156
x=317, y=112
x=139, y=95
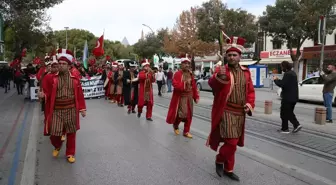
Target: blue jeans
x=169, y=84
x=328, y=100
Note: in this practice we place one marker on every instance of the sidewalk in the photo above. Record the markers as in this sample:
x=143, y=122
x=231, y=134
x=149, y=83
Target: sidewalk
x=15, y=120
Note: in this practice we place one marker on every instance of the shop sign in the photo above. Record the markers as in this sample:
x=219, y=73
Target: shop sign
x=279, y=53
x=247, y=55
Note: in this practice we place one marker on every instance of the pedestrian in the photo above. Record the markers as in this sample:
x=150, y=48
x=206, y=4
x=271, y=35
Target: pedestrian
x=145, y=98
x=290, y=96
x=65, y=95
x=234, y=97
x=19, y=79
x=329, y=81
x=6, y=78
x=170, y=79
x=184, y=94
x=159, y=76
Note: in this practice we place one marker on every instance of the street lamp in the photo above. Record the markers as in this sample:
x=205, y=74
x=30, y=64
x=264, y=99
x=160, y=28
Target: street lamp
x=66, y=37
x=148, y=27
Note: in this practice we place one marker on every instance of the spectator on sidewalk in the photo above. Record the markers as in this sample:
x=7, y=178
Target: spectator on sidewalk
x=170, y=79
x=329, y=81
x=159, y=76
x=290, y=96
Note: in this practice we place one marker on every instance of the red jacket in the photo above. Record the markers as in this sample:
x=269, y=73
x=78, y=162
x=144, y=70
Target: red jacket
x=50, y=89
x=179, y=87
x=74, y=71
x=142, y=81
x=222, y=90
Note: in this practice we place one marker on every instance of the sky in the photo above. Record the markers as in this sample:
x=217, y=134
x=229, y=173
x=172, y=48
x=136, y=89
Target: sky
x=124, y=18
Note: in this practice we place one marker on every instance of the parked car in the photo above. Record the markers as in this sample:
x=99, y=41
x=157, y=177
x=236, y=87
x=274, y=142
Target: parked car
x=202, y=83
x=310, y=89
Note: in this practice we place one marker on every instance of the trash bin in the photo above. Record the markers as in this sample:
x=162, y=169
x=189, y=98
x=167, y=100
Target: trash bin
x=267, y=82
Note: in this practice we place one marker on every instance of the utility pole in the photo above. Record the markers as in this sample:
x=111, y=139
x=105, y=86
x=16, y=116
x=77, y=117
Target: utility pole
x=323, y=19
x=66, y=37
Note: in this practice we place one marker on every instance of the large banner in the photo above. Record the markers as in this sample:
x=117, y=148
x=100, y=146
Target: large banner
x=93, y=87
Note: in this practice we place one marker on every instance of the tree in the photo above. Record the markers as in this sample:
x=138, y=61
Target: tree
x=236, y=22
x=184, y=37
x=293, y=22
x=26, y=18
x=148, y=47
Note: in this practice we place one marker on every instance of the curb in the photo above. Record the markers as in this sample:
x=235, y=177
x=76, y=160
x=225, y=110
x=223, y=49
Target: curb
x=29, y=165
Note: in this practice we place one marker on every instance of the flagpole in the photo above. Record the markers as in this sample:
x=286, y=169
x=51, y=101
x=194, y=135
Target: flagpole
x=103, y=39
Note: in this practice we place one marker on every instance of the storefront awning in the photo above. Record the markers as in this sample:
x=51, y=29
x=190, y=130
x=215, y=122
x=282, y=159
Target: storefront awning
x=248, y=62
x=274, y=60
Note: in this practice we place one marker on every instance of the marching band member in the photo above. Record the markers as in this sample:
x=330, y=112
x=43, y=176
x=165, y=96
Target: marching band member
x=63, y=92
x=130, y=88
x=184, y=94
x=146, y=79
x=118, y=79
x=234, y=97
x=111, y=83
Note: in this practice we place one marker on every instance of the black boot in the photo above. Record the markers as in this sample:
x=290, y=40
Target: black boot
x=149, y=119
x=219, y=169
x=232, y=176
x=139, y=114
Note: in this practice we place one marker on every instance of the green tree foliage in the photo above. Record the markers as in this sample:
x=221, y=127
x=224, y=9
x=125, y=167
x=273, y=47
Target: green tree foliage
x=293, y=22
x=236, y=22
x=48, y=41
x=27, y=20
x=149, y=46
x=76, y=41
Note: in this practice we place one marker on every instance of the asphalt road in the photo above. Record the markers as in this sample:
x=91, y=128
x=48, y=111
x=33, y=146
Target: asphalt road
x=116, y=148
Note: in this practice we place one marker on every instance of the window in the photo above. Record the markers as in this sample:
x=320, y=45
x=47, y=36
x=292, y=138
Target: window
x=311, y=81
x=277, y=44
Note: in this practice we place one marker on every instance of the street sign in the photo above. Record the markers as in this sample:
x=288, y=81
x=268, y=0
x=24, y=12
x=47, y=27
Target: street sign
x=247, y=55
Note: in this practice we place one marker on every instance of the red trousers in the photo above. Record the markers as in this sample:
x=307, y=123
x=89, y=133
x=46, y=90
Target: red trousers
x=131, y=107
x=112, y=97
x=119, y=98
x=70, y=143
x=149, y=109
x=226, y=154
x=187, y=124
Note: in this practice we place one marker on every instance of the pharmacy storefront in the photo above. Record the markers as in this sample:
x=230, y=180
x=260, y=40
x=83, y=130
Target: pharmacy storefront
x=274, y=58
x=312, y=55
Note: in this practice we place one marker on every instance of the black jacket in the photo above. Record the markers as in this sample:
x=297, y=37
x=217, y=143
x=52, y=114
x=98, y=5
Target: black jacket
x=289, y=85
x=127, y=87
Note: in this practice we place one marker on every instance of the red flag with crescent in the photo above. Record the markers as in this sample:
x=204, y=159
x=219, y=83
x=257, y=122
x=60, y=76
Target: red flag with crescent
x=99, y=49
x=37, y=60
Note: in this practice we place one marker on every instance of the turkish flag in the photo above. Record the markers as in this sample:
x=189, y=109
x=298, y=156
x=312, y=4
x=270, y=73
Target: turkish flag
x=37, y=60
x=99, y=49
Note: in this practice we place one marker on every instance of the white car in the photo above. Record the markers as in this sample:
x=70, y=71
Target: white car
x=202, y=84
x=310, y=89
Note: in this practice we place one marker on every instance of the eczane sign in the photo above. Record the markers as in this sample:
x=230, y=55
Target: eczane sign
x=280, y=53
